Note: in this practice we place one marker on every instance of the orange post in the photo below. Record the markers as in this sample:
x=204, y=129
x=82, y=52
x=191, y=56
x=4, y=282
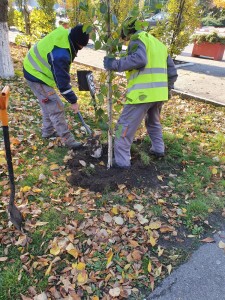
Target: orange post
x=4, y=98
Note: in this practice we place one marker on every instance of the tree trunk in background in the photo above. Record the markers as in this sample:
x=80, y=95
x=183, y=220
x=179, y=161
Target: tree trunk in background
x=6, y=65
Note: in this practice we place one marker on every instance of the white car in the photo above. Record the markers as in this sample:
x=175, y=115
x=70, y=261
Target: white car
x=161, y=16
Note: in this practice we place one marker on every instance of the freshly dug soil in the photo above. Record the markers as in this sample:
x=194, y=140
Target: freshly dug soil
x=96, y=177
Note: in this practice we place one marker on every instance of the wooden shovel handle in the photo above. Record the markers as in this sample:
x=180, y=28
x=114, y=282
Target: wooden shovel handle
x=4, y=98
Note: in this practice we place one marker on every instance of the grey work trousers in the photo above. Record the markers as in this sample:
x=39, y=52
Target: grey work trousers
x=53, y=116
x=127, y=125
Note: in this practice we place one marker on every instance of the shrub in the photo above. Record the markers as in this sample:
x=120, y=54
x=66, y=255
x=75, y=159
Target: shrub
x=211, y=21
x=210, y=38
x=222, y=21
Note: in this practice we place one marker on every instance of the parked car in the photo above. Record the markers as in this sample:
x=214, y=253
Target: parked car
x=153, y=20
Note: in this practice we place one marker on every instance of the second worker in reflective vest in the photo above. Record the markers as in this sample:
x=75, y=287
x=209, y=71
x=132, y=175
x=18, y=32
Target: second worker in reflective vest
x=46, y=66
x=150, y=73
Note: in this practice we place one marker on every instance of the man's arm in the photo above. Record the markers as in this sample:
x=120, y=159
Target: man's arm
x=136, y=58
x=172, y=72
x=60, y=61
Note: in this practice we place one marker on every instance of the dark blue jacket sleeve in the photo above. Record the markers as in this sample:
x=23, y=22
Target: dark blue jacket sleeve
x=60, y=61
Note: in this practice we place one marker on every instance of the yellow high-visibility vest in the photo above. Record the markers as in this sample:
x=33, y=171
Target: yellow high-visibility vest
x=151, y=83
x=36, y=61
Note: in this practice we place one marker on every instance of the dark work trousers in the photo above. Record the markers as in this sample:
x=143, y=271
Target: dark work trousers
x=127, y=125
x=53, y=115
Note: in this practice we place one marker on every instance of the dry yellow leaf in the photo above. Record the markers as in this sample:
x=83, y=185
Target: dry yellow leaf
x=121, y=186
x=160, y=178
x=81, y=266
x=126, y=267
x=109, y=256
x=165, y=229
x=48, y=270
x=131, y=214
x=82, y=278
x=115, y=210
x=37, y=191
x=155, y=225
x=214, y=171
x=149, y=266
x=131, y=197
x=55, y=250
x=95, y=298
x=2, y=160
x=161, y=201
x=54, y=167
x=152, y=241
x=73, y=252
x=25, y=189
x=108, y=277
x=169, y=268
x=39, y=223
x=158, y=271
x=160, y=251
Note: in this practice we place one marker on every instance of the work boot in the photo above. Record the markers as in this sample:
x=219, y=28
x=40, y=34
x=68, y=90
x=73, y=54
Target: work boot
x=74, y=145
x=116, y=166
x=51, y=136
x=156, y=154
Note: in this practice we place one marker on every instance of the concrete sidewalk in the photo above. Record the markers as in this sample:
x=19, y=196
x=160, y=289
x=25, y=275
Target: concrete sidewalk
x=201, y=278
x=202, y=79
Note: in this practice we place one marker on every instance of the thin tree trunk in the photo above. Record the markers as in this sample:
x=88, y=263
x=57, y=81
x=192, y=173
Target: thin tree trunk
x=6, y=65
x=109, y=98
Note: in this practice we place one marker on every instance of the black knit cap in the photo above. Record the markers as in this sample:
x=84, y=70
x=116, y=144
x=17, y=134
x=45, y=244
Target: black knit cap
x=77, y=36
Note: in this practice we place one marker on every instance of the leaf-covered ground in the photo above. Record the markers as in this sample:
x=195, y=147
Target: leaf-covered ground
x=119, y=243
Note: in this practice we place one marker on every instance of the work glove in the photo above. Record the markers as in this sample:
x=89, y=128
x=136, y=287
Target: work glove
x=108, y=62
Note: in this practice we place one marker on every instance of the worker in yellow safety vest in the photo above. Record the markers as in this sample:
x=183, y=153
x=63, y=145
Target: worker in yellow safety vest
x=150, y=74
x=47, y=66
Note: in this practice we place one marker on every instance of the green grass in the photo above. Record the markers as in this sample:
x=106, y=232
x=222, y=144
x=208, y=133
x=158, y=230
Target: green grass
x=194, y=142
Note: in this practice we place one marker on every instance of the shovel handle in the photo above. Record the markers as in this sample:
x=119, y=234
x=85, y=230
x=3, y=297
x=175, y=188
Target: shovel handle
x=84, y=124
x=4, y=98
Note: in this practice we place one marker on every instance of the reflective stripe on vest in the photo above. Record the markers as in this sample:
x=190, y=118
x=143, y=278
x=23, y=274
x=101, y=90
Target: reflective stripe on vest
x=148, y=71
x=151, y=83
x=36, y=61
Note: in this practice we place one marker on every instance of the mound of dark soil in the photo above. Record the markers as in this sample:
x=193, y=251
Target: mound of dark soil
x=96, y=177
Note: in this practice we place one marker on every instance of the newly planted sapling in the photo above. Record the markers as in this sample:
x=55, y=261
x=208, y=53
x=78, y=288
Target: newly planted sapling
x=105, y=32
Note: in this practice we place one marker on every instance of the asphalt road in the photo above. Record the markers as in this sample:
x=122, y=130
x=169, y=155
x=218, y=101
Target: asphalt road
x=201, y=78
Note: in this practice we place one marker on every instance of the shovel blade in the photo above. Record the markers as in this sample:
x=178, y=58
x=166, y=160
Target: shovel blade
x=15, y=216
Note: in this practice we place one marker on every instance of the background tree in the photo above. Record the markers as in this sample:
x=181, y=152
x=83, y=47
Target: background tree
x=6, y=65
x=219, y=3
x=175, y=32
x=75, y=13
x=47, y=6
x=121, y=7
x=35, y=23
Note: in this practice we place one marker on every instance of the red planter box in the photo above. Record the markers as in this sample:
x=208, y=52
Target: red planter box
x=214, y=51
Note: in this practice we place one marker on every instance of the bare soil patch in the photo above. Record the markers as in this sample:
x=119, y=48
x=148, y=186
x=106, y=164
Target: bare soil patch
x=96, y=177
